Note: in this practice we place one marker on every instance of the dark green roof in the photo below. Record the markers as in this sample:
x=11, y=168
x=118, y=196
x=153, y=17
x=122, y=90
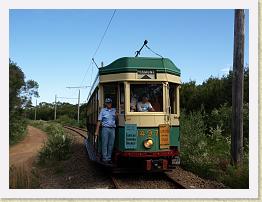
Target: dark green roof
x=132, y=64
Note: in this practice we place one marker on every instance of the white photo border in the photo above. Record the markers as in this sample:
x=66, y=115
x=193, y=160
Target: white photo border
x=252, y=192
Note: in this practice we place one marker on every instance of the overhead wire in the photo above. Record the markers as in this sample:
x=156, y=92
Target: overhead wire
x=90, y=66
x=99, y=45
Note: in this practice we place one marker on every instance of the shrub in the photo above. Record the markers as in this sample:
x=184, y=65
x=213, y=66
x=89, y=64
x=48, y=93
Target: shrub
x=58, y=144
x=237, y=177
x=17, y=129
x=206, y=152
x=66, y=120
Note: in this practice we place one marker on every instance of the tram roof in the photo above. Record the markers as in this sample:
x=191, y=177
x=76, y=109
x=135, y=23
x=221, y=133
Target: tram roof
x=132, y=64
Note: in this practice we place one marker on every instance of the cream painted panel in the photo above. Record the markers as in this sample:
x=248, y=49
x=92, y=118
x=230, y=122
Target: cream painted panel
x=133, y=77
x=148, y=120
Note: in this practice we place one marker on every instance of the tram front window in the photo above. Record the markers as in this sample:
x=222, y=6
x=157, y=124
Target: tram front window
x=146, y=97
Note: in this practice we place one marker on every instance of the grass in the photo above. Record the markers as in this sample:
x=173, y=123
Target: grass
x=22, y=178
x=206, y=152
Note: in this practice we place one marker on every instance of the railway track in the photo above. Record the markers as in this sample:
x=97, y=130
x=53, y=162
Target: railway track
x=80, y=131
x=169, y=178
x=150, y=181
x=136, y=180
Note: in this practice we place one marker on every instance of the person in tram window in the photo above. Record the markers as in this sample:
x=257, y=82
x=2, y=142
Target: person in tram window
x=133, y=102
x=107, y=117
x=145, y=105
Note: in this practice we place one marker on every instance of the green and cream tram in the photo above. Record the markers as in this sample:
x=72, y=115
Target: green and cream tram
x=150, y=140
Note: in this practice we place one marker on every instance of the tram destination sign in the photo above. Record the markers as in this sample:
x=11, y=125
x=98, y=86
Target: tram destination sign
x=164, y=136
x=146, y=74
x=130, y=136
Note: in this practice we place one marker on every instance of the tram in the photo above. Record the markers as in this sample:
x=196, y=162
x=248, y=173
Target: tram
x=144, y=140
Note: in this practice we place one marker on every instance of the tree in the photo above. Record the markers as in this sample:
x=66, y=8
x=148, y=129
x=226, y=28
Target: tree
x=20, y=95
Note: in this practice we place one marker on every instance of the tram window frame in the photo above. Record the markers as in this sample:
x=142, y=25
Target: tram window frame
x=114, y=96
x=121, y=98
x=173, y=87
x=160, y=97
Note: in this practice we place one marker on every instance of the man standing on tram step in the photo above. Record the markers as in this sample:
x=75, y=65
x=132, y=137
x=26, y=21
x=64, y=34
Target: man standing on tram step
x=107, y=117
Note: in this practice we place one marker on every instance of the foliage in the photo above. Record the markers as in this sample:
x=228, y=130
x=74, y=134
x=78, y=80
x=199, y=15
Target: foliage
x=222, y=117
x=212, y=93
x=206, y=152
x=237, y=177
x=66, y=113
x=58, y=145
x=17, y=130
x=20, y=95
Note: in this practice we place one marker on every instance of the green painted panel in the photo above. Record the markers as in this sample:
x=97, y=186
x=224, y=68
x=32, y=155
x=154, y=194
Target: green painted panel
x=132, y=64
x=175, y=136
x=143, y=134
x=130, y=136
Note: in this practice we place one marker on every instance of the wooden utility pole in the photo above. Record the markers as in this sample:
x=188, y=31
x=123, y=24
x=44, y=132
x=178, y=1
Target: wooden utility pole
x=55, y=107
x=237, y=89
x=35, y=107
x=78, y=106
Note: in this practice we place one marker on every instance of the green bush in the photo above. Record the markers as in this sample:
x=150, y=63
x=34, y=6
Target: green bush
x=222, y=117
x=17, y=129
x=237, y=177
x=39, y=124
x=206, y=152
x=58, y=144
x=66, y=120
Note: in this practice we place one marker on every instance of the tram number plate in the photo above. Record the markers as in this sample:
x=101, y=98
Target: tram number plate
x=164, y=136
x=130, y=136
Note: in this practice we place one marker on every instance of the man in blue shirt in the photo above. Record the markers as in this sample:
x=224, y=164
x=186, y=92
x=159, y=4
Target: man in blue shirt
x=107, y=117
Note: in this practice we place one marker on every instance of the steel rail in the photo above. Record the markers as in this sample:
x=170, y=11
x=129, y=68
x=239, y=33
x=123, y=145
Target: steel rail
x=170, y=179
x=75, y=129
x=115, y=183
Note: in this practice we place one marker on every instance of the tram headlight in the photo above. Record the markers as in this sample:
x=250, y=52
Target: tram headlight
x=148, y=143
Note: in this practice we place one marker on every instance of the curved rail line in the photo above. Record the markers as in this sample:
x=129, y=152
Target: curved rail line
x=115, y=183
x=169, y=178
x=76, y=130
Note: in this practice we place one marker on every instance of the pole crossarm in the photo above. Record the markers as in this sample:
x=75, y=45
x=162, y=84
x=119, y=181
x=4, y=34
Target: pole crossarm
x=78, y=86
x=78, y=108
x=67, y=97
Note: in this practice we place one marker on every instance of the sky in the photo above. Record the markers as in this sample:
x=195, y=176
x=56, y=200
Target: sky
x=55, y=47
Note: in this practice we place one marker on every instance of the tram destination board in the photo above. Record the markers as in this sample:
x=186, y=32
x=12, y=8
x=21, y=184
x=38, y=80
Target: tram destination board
x=130, y=136
x=164, y=136
x=146, y=74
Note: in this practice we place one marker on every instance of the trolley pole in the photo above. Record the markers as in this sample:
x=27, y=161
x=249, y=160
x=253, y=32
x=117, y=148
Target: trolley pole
x=55, y=107
x=237, y=89
x=35, y=107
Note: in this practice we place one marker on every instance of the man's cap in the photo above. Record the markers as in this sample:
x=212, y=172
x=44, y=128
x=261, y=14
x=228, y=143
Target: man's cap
x=108, y=100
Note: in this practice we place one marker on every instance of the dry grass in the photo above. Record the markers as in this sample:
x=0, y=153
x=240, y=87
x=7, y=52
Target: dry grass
x=22, y=178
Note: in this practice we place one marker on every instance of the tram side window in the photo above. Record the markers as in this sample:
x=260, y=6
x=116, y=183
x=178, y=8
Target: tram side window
x=110, y=91
x=172, y=97
x=154, y=93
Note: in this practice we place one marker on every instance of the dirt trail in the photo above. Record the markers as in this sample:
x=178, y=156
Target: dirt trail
x=24, y=153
